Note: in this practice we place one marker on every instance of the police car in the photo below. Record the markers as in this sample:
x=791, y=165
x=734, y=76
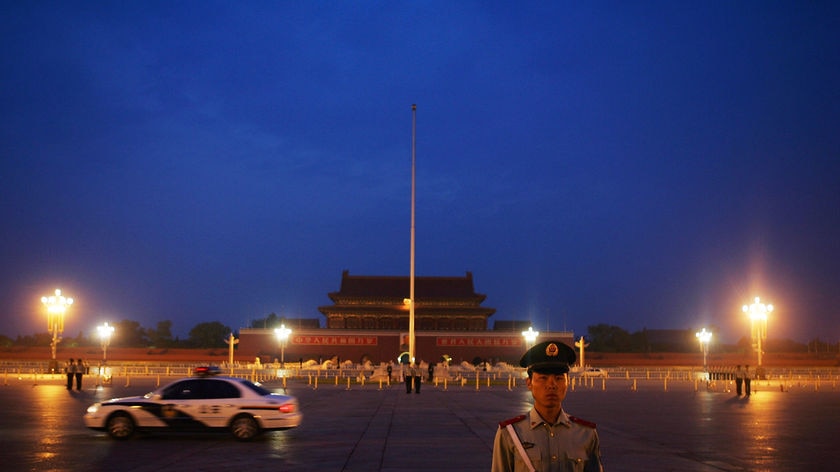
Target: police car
x=203, y=402
x=594, y=372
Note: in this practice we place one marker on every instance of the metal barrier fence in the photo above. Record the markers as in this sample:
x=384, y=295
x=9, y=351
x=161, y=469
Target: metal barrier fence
x=456, y=376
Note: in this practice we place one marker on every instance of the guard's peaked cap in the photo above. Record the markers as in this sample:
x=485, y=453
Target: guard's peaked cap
x=549, y=357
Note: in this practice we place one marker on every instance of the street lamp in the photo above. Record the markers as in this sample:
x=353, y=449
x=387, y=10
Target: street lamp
x=704, y=337
x=582, y=345
x=758, y=323
x=57, y=306
x=282, y=334
x=530, y=336
x=105, y=332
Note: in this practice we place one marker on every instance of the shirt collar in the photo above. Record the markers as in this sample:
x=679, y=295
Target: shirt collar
x=535, y=419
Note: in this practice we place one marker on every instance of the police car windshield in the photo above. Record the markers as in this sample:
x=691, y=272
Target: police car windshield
x=256, y=388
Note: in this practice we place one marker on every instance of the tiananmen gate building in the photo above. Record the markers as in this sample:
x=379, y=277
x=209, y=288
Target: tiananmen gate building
x=369, y=317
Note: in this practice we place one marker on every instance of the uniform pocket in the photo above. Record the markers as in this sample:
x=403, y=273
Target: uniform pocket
x=574, y=464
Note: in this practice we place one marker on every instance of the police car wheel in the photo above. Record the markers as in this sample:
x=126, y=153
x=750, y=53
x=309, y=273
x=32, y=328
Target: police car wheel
x=120, y=426
x=244, y=427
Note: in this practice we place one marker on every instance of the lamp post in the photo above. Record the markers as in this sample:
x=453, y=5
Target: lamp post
x=105, y=332
x=57, y=306
x=530, y=337
x=231, y=342
x=758, y=323
x=704, y=337
x=282, y=334
x=582, y=345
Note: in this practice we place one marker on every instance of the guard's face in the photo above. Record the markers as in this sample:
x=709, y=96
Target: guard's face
x=549, y=390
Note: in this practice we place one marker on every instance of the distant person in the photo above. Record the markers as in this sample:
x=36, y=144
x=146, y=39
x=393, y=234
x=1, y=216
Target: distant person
x=69, y=371
x=408, y=376
x=79, y=371
x=431, y=373
x=739, y=380
x=389, y=369
x=747, y=380
x=417, y=378
x=547, y=438
x=412, y=378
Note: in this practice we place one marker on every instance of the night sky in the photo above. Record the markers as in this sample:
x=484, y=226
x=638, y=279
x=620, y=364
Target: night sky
x=643, y=164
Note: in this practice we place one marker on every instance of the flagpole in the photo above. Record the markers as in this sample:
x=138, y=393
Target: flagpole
x=411, y=344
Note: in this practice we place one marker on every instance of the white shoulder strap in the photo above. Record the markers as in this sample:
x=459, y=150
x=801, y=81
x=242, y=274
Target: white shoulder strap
x=518, y=444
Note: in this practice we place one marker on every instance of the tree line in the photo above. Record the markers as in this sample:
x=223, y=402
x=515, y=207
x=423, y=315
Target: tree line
x=609, y=338
x=600, y=337
x=129, y=333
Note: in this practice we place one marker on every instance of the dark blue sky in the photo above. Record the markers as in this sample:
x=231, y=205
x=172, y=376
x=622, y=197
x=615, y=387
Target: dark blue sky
x=644, y=165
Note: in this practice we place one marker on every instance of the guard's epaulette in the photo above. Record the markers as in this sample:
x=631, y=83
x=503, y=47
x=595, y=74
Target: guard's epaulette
x=575, y=419
x=504, y=423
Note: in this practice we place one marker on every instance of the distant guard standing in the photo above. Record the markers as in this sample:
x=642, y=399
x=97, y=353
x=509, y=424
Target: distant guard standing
x=547, y=438
x=80, y=370
x=747, y=381
x=69, y=371
x=412, y=378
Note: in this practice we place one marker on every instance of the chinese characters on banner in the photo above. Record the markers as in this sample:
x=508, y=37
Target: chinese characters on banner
x=337, y=340
x=478, y=341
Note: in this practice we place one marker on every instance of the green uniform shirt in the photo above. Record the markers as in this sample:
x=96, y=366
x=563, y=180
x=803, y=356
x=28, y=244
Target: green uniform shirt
x=568, y=445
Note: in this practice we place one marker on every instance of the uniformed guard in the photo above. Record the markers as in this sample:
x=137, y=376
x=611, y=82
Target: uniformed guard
x=547, y=438
x=70, y=371
x=747, y=380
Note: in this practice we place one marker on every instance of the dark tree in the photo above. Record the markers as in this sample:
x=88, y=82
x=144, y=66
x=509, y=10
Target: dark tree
x=209, y=335
x=161, y=336
x=128, y=333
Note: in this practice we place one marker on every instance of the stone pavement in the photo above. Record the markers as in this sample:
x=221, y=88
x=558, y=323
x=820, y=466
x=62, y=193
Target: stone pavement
x=436, y=430
x=651, y=428
x=364, y=428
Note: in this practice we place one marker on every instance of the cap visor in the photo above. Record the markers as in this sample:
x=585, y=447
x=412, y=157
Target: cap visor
x=549, y=368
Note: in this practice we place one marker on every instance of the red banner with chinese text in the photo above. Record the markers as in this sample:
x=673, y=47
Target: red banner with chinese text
x=478, y=341
x=338, y=340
